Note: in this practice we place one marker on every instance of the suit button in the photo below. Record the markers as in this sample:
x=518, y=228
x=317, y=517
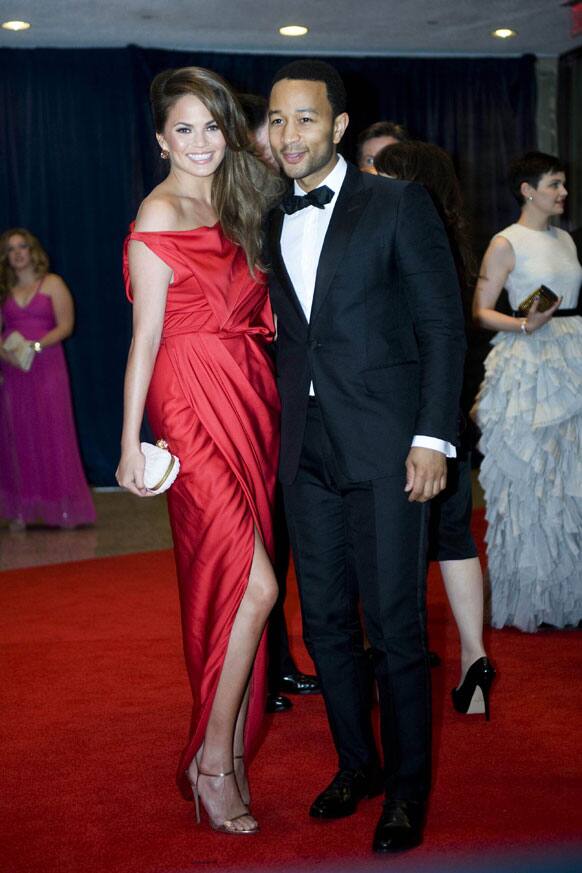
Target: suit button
x=314, y=344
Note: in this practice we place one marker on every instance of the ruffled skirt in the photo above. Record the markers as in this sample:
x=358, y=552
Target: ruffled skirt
x=529, y=410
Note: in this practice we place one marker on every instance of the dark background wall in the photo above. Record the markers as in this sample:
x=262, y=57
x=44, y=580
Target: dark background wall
x=79, y=154
x=570, y=130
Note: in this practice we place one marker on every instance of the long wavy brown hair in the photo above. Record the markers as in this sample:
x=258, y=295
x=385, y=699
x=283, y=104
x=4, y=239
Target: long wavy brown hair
x=38, y=256
x=243, y=188
x=433, y=167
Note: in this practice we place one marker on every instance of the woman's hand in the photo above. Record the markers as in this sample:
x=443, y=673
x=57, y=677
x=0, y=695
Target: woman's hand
x=130, y=472
x=536, y=319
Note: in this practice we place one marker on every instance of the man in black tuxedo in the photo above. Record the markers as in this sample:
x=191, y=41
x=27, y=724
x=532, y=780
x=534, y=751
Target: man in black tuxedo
x=370, y=355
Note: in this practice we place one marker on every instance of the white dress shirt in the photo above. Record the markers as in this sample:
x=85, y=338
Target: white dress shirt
x=302, y=239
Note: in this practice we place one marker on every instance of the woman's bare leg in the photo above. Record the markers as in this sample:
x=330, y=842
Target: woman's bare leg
x=220, y=796
x=464, y=586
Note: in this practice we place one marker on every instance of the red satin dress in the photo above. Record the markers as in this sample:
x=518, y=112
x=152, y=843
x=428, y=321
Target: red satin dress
x=214, y=400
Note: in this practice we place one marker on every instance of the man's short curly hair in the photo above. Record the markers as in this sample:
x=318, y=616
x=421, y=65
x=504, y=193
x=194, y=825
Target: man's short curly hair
x=313, y=70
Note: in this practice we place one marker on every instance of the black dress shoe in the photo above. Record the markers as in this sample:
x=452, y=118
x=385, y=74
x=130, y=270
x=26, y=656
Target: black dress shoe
x=400, y=826
x=278, y=703
x=345, y=791
x=300, y=683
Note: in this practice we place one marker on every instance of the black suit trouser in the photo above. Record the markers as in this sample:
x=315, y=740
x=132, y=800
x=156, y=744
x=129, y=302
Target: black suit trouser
x=365, y=543
x=281, y=662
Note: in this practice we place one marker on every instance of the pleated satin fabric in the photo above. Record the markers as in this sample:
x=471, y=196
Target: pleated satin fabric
x=214, y=400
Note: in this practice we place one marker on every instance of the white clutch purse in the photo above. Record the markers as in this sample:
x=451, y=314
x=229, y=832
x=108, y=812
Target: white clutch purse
x=20, y=348
x=161, y=467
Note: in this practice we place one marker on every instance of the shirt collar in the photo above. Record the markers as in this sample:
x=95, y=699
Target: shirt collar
x=333, y=180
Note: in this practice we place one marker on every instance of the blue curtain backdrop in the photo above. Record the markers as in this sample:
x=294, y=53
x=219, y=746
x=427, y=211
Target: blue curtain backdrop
x=570, y=132
x=78, y=155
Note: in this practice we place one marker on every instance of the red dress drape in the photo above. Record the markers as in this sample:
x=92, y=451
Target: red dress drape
x=213, y=398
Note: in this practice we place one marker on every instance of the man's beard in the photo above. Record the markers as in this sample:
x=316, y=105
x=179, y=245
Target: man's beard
x=310, y=166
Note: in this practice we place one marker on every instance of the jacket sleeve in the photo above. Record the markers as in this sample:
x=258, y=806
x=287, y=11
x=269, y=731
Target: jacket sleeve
x=429, y=279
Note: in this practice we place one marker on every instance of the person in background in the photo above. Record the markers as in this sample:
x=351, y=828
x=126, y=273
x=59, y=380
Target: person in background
x=529, y=407
x=255, y=108
x=376, y=137
x=450, y=540
x=283, y=673
x=41, y=474
x=199, y=354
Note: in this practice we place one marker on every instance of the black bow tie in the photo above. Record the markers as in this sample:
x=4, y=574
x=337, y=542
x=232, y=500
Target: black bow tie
x=318, y=197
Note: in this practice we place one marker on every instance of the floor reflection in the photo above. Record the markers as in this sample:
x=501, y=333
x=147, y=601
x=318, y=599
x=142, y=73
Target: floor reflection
x=125, y=524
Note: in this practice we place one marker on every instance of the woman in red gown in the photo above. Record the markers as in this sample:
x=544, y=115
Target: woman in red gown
x=199, y=361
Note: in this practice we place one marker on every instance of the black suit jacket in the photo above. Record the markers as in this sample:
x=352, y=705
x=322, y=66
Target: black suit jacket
x=385, y=343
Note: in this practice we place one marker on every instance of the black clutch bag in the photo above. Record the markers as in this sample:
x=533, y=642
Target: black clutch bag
x=545, y=296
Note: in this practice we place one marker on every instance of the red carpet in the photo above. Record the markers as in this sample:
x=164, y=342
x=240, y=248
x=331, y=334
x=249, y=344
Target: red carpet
x=95, y=706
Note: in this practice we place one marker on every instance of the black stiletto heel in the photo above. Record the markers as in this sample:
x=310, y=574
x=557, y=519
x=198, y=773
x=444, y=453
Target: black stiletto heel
x=473, y=695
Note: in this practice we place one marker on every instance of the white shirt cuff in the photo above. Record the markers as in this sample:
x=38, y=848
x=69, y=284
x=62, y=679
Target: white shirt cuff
x=426, y=442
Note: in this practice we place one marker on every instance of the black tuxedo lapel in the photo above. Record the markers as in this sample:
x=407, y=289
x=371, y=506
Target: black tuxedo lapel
x=351, y=201
x=277, y=262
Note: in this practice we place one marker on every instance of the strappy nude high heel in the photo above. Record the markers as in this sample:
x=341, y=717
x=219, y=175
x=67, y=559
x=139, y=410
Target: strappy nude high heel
x=245, y=799
x=227, y=826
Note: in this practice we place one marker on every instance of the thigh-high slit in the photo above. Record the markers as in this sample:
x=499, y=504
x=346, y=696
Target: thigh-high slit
x=214, y=509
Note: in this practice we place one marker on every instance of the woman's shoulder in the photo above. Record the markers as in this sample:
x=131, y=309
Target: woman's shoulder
x=506, y=240
x=165, y=211
x=512, y=231
x=158, y=212
x=564, y=237
x=503, y=241
x=500, y=253
x=52, y=283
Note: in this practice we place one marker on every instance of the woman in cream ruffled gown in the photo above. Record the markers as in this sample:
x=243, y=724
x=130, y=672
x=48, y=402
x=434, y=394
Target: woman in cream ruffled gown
x=529, y=410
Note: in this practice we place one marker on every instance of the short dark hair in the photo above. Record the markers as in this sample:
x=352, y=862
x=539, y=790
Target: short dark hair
x=317, y=71
x=530, y=168
x=380, y=128
x=255, y=108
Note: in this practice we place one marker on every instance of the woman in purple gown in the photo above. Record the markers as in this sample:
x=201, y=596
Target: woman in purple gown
x=41, y=476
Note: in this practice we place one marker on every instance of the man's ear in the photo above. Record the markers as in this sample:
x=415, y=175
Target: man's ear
x=340, y=124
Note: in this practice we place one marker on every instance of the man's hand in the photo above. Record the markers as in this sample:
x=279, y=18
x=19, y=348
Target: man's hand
x=426, y=474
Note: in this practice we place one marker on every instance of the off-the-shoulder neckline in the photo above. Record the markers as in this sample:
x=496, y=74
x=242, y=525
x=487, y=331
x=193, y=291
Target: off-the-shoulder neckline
x=189, y=230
